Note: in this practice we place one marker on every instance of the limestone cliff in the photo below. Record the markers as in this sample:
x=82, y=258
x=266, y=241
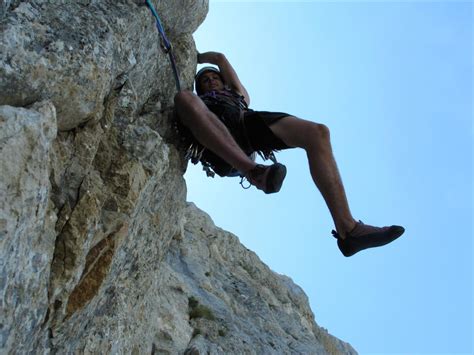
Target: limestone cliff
x=100, y=253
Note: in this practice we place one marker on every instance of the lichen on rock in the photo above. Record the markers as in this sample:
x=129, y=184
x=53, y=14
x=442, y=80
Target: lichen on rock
x=100, y=253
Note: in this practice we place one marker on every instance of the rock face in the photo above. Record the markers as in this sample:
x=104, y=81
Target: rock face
x=100, y=253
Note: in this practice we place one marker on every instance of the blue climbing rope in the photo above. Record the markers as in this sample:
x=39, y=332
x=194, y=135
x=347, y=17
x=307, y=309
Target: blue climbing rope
x=165, y=43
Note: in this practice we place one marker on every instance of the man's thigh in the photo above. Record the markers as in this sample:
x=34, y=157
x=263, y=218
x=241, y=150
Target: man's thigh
x=295, y=132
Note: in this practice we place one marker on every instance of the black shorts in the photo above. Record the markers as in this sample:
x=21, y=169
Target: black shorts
x=253, y=132
x=257, y=127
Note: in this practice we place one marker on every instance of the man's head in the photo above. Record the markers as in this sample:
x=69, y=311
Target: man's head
x=208, y=79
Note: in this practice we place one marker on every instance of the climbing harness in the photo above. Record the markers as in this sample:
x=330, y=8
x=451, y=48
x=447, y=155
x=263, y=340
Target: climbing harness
x=165, y=43
x=232, y=105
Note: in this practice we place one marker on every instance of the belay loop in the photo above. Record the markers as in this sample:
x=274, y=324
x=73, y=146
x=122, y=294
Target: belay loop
x=165, y=44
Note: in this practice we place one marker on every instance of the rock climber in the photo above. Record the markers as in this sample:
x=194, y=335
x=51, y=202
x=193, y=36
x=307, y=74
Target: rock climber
x=219, y=119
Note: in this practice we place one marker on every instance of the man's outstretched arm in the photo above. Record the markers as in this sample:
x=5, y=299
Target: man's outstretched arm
x=227, y=71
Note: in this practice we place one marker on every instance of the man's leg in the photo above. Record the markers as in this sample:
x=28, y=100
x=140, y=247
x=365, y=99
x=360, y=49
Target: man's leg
x=214, y=135
x=352, y=236
x=210, y=131
x=314, y=139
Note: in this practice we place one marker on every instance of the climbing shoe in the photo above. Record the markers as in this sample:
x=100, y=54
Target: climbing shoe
x=267, y=178
x=364, y=236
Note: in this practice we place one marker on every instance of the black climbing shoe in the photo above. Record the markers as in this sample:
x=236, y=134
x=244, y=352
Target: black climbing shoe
x=364, y=236
x=267, y=178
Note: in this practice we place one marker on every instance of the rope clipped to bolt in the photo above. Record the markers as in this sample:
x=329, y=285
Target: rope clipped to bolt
x=165, y=43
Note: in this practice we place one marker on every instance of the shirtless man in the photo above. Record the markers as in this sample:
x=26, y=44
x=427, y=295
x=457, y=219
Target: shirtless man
x=211, y=122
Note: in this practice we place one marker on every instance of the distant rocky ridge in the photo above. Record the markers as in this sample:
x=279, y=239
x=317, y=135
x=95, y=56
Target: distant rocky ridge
x=100, y=253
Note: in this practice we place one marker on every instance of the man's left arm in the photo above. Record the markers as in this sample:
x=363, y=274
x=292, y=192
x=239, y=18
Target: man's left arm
x=227, y=71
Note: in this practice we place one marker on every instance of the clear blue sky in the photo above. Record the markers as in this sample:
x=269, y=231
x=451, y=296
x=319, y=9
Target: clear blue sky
x=393, y=82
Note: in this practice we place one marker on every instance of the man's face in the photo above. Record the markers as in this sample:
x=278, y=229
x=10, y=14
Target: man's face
x=210, y=81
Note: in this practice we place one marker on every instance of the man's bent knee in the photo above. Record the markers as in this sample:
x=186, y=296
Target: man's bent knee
x=322, y=131
x=190, y=108
x=184, y=97
x=185, y=106
x=315, y=133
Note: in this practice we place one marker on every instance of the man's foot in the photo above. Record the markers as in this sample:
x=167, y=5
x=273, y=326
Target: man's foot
x=364, y=236
x=267, y=178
